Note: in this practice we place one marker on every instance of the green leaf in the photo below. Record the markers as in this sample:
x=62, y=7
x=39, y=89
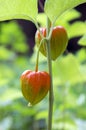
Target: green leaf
x=5, y=54
x=82, y=41
x=76, y=29
x=81, y=55
x=10, y=94
x=63, y=20
x=70, y=15
x=42, y=114
x=41, y=18
x=67, y=69
x=68, y=126
x=55, y=8
x=17, y=9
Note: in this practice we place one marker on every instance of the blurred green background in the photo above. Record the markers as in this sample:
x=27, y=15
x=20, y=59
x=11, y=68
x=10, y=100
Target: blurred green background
x=69, y=78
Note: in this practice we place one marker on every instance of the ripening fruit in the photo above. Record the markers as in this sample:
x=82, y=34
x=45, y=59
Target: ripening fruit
x=35, y=85
x=58, y=41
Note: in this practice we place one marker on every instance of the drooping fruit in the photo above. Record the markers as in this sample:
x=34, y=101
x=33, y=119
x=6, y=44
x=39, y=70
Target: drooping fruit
x=58, y=41
x=35, y=85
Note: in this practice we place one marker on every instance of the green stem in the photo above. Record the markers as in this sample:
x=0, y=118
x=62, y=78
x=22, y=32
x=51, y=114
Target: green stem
x=49, y=32
x=37, y=59
x=43, y=39
x=50, y=72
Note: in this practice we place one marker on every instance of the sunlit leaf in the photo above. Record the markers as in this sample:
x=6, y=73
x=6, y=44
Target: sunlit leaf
x=68, y=126
x=76, y=29
x=5, y=54
x=41, y=18
x=12, y=35
x=55, y=8
x=43, y=114
x=82, y=41
x=68, y=70
x=81, y=55
x=70, y=15
x=10, y=95
x=17, y=9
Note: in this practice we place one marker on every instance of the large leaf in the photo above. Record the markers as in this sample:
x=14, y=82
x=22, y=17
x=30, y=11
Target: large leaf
x=18, y=9
x=54, y=8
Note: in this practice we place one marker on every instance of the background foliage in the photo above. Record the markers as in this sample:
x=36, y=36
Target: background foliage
x=69, y=77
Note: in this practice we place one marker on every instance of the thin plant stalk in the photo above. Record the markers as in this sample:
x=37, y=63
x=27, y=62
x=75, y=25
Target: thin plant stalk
x=50, y=72
x=47, y=40
x=37, y=59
